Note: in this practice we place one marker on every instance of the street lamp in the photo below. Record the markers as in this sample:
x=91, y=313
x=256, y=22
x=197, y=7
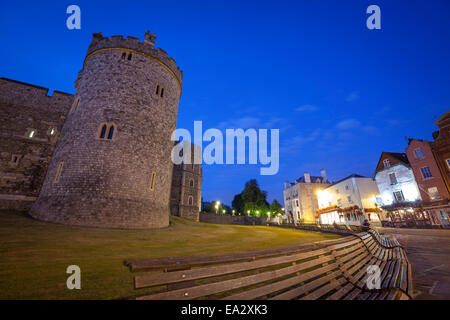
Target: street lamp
x=224, y=211
x=233, y=211
x=248, y=212
x=217, y=206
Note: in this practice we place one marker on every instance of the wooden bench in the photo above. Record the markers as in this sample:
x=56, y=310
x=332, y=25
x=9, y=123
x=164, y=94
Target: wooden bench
x=333, y=270
x=336, y=228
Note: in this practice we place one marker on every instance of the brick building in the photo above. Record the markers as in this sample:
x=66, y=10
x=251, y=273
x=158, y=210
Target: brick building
x=430, y=161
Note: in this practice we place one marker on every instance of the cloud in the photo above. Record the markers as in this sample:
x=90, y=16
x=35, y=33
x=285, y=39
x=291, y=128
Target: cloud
x=352, y=96
x=371, y=130
x=252, y=122
x=348, y=124
x=306, y=108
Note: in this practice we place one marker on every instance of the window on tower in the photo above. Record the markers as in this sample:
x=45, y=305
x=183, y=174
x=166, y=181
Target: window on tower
x=103, y=132
x=111, y=132
x=75, y=105
x=106, y=131
x=129, y=57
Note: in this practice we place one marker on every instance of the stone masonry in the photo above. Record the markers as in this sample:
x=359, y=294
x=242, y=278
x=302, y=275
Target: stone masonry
x=186, y=193
x=31, y=121
x=111, y=166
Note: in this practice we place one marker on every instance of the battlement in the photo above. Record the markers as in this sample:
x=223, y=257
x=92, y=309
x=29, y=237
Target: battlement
x=146, y=47
x=15, y=92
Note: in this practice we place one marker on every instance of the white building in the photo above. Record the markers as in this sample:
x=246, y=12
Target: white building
x=300, y=197
x=350, y=201
x=395, y=179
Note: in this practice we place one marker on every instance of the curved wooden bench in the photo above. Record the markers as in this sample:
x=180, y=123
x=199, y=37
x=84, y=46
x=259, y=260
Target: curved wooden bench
x=330, y=270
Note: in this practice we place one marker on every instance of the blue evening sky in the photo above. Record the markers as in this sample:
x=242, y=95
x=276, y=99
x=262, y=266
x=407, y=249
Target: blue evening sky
x=339, y=93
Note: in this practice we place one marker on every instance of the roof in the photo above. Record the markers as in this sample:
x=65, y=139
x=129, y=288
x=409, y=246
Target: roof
x=397, y=157
x=350, y=176
x=314, y=179
x=443, y=118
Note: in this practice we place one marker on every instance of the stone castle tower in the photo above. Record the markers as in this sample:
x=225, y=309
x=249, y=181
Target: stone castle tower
x=111, y=166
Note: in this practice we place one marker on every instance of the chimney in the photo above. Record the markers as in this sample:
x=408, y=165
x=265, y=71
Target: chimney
x=307, y=177
x=323, y=173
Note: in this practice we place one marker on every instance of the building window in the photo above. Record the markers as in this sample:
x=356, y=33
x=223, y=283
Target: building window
x=418, y=153
x=434, y=193
x=393, y=178
x=124, y=56
x=58, y=172
x=106, y=131
x=426, y=172
x=75, y=105
x=159, y=91
x=129, y=57
x=191, y=183
x=448, y=163
x=349, y=199
x=103, y=131
x=111, y=132
x=386, y=163
x=51, y=131
x=152, y=181
x=191, y=201
x=296, y=202
x=31, y=133
x=347, y=188
x=15, y=159
x=398, y=195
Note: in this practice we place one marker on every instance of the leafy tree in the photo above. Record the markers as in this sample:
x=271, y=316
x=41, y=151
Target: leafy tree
x=252, y=193
x=275, y=207
x=238, y=204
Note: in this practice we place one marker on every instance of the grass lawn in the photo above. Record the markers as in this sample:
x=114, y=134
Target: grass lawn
x=34, y=255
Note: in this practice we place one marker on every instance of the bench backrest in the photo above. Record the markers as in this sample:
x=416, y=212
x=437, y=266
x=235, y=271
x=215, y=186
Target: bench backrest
x=309, y=271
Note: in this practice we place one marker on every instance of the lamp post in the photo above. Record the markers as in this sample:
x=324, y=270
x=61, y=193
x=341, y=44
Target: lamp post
x=233, y=212
x=217, y=206
x=248, y=212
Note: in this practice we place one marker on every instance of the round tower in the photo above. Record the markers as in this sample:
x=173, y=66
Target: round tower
x=112, y=167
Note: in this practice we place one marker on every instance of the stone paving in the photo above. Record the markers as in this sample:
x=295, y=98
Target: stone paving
x=429, y=253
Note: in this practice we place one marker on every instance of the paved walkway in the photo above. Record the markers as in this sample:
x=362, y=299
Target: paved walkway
x=429, y=253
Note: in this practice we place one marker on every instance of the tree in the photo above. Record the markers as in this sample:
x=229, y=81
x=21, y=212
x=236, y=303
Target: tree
x=252, y=193
x=275, y=207
x=238, y=204
x=251, y=201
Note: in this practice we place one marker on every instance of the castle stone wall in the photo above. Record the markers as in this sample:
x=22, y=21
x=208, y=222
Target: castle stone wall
x=107, y=182
x=23, y=159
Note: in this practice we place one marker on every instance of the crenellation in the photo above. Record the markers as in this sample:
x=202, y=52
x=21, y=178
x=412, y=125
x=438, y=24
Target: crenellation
x=146, y=48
